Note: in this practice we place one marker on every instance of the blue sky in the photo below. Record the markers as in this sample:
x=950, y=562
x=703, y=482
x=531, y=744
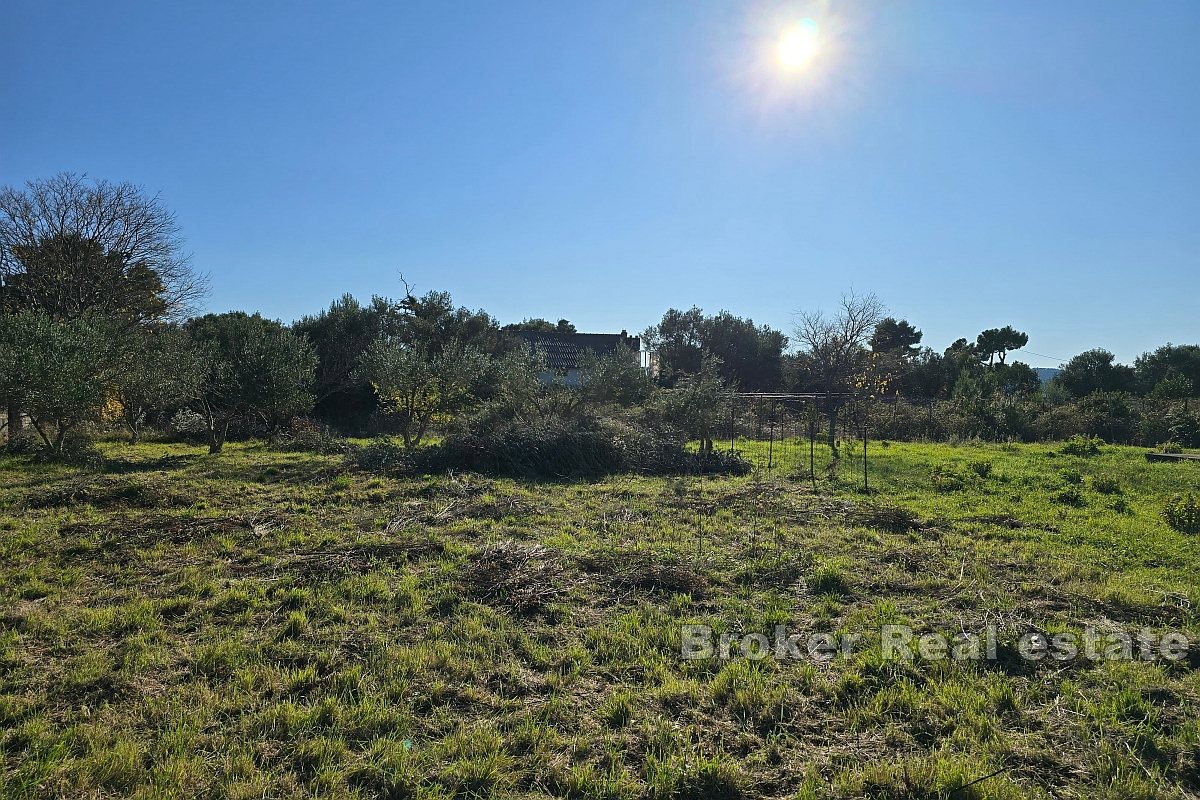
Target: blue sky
x=974, y=164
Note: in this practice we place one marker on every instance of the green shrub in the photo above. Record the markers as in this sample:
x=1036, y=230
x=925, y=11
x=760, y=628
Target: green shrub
x=1106, y=484
x=1082, y=446
x=1120, y=506
x=24, y=443
x=1182, y=513
x=77, y=448
x=1170, y=447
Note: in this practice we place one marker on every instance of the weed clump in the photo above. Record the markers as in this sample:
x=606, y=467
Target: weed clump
x=665, y=573
x=107, y=493
x=1182, y=513
x=1082, y=446
x=829, y=577
x=1070, y=496
x=677, y=778
x=981, y=468
x=947, y=479
x=1106, y=484
x=1071, y=477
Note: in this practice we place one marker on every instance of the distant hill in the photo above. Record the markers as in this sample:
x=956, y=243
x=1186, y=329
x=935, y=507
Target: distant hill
x=1046, y=373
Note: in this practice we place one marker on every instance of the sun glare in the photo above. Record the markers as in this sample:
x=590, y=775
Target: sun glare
x=796, y=63
x=798, y=45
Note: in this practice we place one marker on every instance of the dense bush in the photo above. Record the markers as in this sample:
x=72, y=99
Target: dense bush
x=1082, y=446
x=381, y=455
x=903, y=421
x=573, y=447
x=76, y=448
x=308, y=436
x=23, y=443
x=1112, y=417
x=555, y=447
x=187, y=424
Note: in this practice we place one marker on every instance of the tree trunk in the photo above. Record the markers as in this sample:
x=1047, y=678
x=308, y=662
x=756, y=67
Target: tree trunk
x=15, y=421
x=217, y=432
x=833, y=422
x=134, y=423
x=216, y=438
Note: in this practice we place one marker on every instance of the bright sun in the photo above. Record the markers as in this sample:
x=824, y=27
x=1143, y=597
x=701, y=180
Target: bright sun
x=798, y=45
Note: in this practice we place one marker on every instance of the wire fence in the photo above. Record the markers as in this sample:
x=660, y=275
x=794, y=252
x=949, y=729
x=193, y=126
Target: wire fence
x=787, y=437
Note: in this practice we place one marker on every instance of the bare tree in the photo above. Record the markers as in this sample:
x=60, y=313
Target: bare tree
x=836, y=346
x=70, y=247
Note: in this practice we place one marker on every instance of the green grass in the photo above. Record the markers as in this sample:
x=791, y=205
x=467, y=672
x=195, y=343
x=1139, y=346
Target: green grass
x=275, y=624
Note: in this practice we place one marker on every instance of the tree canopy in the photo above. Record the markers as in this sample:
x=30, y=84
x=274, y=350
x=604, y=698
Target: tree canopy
x=59, y=371
x=994, y=344
x=748, y=355
x=1095, y=371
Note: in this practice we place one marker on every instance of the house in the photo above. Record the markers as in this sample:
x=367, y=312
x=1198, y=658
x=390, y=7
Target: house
x=561, y=351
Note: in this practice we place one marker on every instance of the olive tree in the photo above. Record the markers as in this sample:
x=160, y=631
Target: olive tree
x=418, y=385
x=59, y=372
x=615, y=378
x=697, y=404
x=160, y=369
x=250, y=367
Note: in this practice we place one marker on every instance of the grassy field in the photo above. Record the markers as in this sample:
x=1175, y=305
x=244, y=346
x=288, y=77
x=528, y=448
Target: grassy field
x=267, y=624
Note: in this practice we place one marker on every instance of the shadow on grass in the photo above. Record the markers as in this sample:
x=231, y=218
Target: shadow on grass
x=127, y=466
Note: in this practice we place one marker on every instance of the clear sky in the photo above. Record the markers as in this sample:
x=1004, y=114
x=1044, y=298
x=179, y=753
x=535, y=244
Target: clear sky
x=975, y=164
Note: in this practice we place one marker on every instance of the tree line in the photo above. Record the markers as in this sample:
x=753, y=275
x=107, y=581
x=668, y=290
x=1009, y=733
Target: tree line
x=96, y=323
